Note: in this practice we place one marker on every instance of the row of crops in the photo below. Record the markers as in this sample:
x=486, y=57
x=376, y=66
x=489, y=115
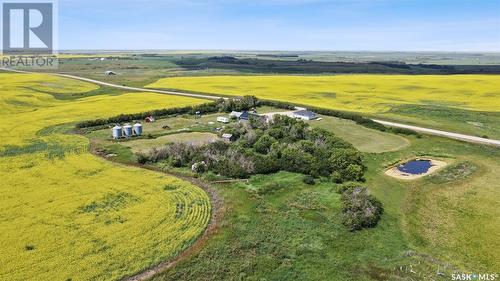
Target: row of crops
x=66, y=214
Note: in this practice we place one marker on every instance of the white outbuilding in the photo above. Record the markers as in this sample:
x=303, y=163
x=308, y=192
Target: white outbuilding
x=223, y=119
x=305, y=115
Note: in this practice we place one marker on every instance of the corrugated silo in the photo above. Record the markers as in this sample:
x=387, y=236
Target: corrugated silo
x=117, y=132
x=138, y=129
x=127, y=130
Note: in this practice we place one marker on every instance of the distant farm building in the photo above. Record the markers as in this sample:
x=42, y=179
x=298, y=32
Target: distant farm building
x=236, y=114
x=222, y=119
x=305, y=115
x=110, y=73
x=149, y=119
x=245, y=115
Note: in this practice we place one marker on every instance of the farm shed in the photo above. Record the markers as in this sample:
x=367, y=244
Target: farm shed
x=228, y=137
x=245, y=115
x=236, y=114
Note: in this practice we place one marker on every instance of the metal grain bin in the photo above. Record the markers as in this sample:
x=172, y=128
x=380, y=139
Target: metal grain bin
x=127, y=130
x=117, y=132
x=138, y=129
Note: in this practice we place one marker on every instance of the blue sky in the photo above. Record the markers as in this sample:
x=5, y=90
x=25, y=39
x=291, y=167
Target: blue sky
x=377, y=25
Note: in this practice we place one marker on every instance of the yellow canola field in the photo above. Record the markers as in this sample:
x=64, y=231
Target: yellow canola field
x=368, y=93
x=73, y=215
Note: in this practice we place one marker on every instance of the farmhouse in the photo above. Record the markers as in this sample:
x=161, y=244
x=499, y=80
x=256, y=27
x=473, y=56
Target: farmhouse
x=246, y=115
x=236, y=114
x=305, y=115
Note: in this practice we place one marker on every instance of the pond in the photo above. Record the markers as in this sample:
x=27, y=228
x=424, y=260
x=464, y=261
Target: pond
x=416, y=167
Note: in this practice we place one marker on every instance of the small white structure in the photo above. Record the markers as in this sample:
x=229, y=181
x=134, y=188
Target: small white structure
x=137, y=129
x=117, y=132
x=236, y=114
x=305, y=115
x=150, y=119
x=227, y=137
x=223, y=119
x=109, y=73
x=127, y=130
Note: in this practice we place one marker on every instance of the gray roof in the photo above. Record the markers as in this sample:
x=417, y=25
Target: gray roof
x=236, y=113
x=305, y=113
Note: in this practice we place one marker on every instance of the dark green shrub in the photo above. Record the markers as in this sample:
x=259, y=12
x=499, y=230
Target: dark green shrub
x=141, y=158
x=199, y=167
x=271, y=188
x=360, y=209
x=263, y=144
x=341, y=188
x=309, y=180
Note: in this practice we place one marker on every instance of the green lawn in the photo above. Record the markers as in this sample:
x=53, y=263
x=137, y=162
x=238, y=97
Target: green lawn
x=277, y=228
x=193, y=138
x=364, y=139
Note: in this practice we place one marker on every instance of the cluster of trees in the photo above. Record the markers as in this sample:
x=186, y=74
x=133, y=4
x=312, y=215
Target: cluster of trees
x=227, y=59
x=360, y=209
x=357, y=118
x=285, y=144
x=270, y=65
x=244, y=103
x=218, y=157
x=221, y=105
x=203, y=108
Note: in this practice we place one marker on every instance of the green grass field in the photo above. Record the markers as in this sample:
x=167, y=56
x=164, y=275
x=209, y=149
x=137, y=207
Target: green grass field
x=364, y=139
x=278, y=228
x=192, y=138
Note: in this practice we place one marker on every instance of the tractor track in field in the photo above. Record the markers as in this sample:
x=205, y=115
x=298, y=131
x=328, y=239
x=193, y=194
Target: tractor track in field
x=218, y=210
x=429, y=131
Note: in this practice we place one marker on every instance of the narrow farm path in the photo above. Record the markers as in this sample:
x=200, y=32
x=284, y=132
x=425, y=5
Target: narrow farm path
x=218, y=211
x=452, y=135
